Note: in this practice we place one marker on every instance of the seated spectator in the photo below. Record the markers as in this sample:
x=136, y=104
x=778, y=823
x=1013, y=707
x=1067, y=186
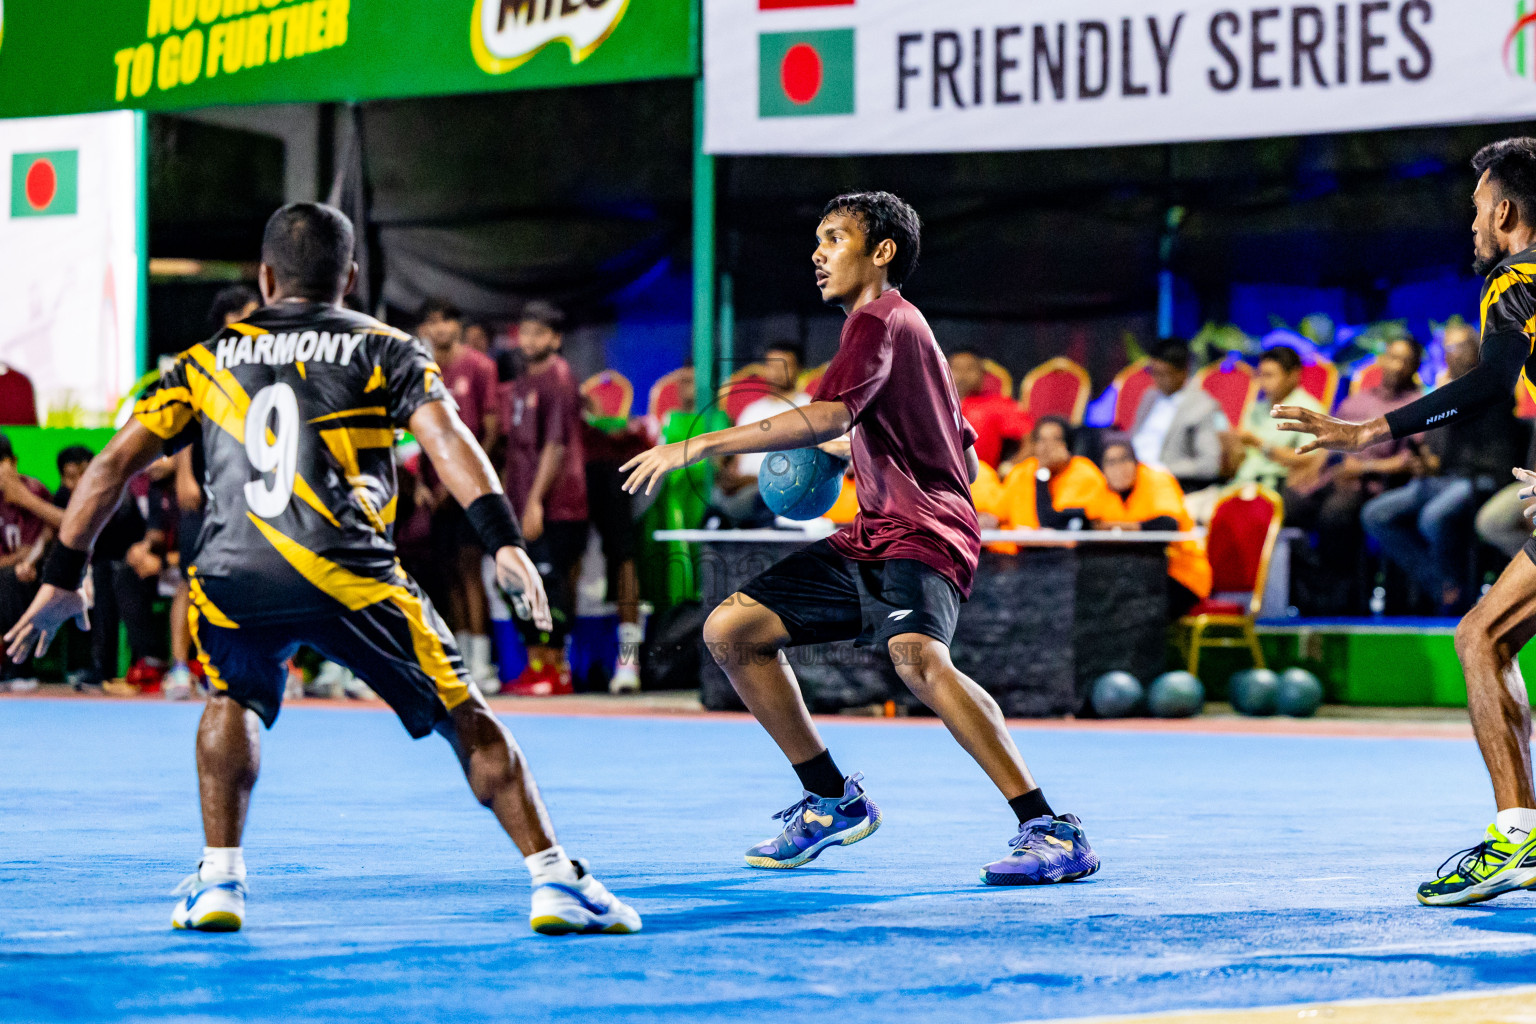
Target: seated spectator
x=1501, y=522
x=735, y=498
x=1151, y=499
x=1425, y=525
x=987, y=495
x=1001, y=424
x=1270, y=453
x=1329, y=579
x=27, y=522
x=1075, y=490
x=1178, y=425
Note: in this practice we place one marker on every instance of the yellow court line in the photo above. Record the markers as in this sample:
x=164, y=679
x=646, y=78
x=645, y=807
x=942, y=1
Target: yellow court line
x=1500, y=1006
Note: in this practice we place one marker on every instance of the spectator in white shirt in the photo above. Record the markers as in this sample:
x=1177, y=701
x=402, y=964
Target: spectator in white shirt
x=735, y=498
x=1178, y=426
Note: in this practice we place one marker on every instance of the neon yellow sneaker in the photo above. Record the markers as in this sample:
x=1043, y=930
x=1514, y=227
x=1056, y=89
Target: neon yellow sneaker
x=1491, y=868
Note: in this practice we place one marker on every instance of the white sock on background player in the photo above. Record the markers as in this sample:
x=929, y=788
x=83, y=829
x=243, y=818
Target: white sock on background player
x=626, y=676
x=551, y=865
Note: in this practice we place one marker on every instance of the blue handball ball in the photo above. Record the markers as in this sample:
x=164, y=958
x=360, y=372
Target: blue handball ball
x=801, y=484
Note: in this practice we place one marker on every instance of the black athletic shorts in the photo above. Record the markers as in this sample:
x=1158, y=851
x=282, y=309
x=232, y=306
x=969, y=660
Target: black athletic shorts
x=823, y=597
x=1530, y=549
x=399, y=646
x=611, y=511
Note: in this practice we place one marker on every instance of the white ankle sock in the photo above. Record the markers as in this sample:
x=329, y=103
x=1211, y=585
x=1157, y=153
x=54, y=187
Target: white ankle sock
x=631, y=636
x=222, y=862
x=1517, y=823
x=479, y=654
x=551, y=865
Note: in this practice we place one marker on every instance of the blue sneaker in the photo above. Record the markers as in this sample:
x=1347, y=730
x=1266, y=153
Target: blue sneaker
x=815, y=823
x=1046, y=850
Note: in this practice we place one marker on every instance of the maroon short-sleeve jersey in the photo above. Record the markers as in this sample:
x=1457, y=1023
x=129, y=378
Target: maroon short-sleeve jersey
x=909, y=443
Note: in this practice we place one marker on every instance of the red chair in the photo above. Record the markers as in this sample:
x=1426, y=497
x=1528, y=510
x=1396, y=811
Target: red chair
x=1131, y=384
x=1368, y=375
x=995, y=380
x=1230, y=382
x=1320, y=379
x=1239, y=542
x=1057, y=387
x=667, y=394
x=742, y=388
x=809, y=379
x=608, y=393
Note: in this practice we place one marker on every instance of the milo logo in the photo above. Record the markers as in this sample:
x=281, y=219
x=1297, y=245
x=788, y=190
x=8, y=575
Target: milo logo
x=506, y=34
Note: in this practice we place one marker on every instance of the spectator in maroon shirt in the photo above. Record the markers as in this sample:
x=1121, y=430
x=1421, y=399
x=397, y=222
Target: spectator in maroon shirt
x=547, y=484
x=27, y=518
x=894, y=580
x=470, y=377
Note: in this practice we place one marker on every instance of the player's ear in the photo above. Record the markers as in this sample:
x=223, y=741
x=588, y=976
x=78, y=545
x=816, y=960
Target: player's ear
x=885, y=252
x=266, y=280
x=351, y=280
x=1506, y=215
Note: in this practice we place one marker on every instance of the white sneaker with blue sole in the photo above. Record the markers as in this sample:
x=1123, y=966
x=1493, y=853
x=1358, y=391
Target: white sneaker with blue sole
x=579, y=906
x=209, y=905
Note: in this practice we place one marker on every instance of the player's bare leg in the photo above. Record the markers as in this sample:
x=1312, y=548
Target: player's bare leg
x=747, y=641
x=498, y=774
x=1048, y=848
x=1488, y=640
x=566, y=898
x=228, y=761
x=969, y=712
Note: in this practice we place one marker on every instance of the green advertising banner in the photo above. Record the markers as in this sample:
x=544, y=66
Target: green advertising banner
x=177, y=54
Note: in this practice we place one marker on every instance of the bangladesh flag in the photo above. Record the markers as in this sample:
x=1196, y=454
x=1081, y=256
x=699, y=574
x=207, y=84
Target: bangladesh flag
x=45, y=184
x=805, y=73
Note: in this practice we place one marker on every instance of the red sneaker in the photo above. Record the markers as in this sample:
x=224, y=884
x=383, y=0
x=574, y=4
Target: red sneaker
x=541, y=681
x=146, y=675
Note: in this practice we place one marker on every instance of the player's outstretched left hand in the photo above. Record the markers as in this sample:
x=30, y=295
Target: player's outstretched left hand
x=1329, y=433
x=519, y=577
x=649, y=467
x=50, y=609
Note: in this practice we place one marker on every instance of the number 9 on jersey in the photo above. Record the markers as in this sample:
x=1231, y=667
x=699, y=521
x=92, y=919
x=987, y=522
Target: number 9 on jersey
x=279, y=455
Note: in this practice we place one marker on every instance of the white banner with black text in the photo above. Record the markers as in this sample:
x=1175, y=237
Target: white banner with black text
x=909, y=76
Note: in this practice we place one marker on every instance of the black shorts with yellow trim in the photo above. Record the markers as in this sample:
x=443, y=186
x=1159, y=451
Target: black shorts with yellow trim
x=399, y=646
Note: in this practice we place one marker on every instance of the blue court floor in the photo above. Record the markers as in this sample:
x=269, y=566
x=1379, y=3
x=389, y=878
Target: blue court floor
x=1240, y=870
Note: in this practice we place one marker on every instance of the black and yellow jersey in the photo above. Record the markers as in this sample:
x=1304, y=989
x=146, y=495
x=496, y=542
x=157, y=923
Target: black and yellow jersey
x=297, y=407
x=1508, y=303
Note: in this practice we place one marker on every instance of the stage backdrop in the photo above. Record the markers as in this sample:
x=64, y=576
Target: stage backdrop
x=903, y=76
x=70, y=258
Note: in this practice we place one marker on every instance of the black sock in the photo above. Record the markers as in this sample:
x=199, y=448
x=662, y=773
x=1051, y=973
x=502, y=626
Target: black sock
x=819, y=775
x=1030, y=806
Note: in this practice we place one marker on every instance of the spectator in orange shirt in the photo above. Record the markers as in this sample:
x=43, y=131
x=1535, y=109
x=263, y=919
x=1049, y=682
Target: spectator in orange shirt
x=1000, y=425
x=1151, y=499
x=1076, y=491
